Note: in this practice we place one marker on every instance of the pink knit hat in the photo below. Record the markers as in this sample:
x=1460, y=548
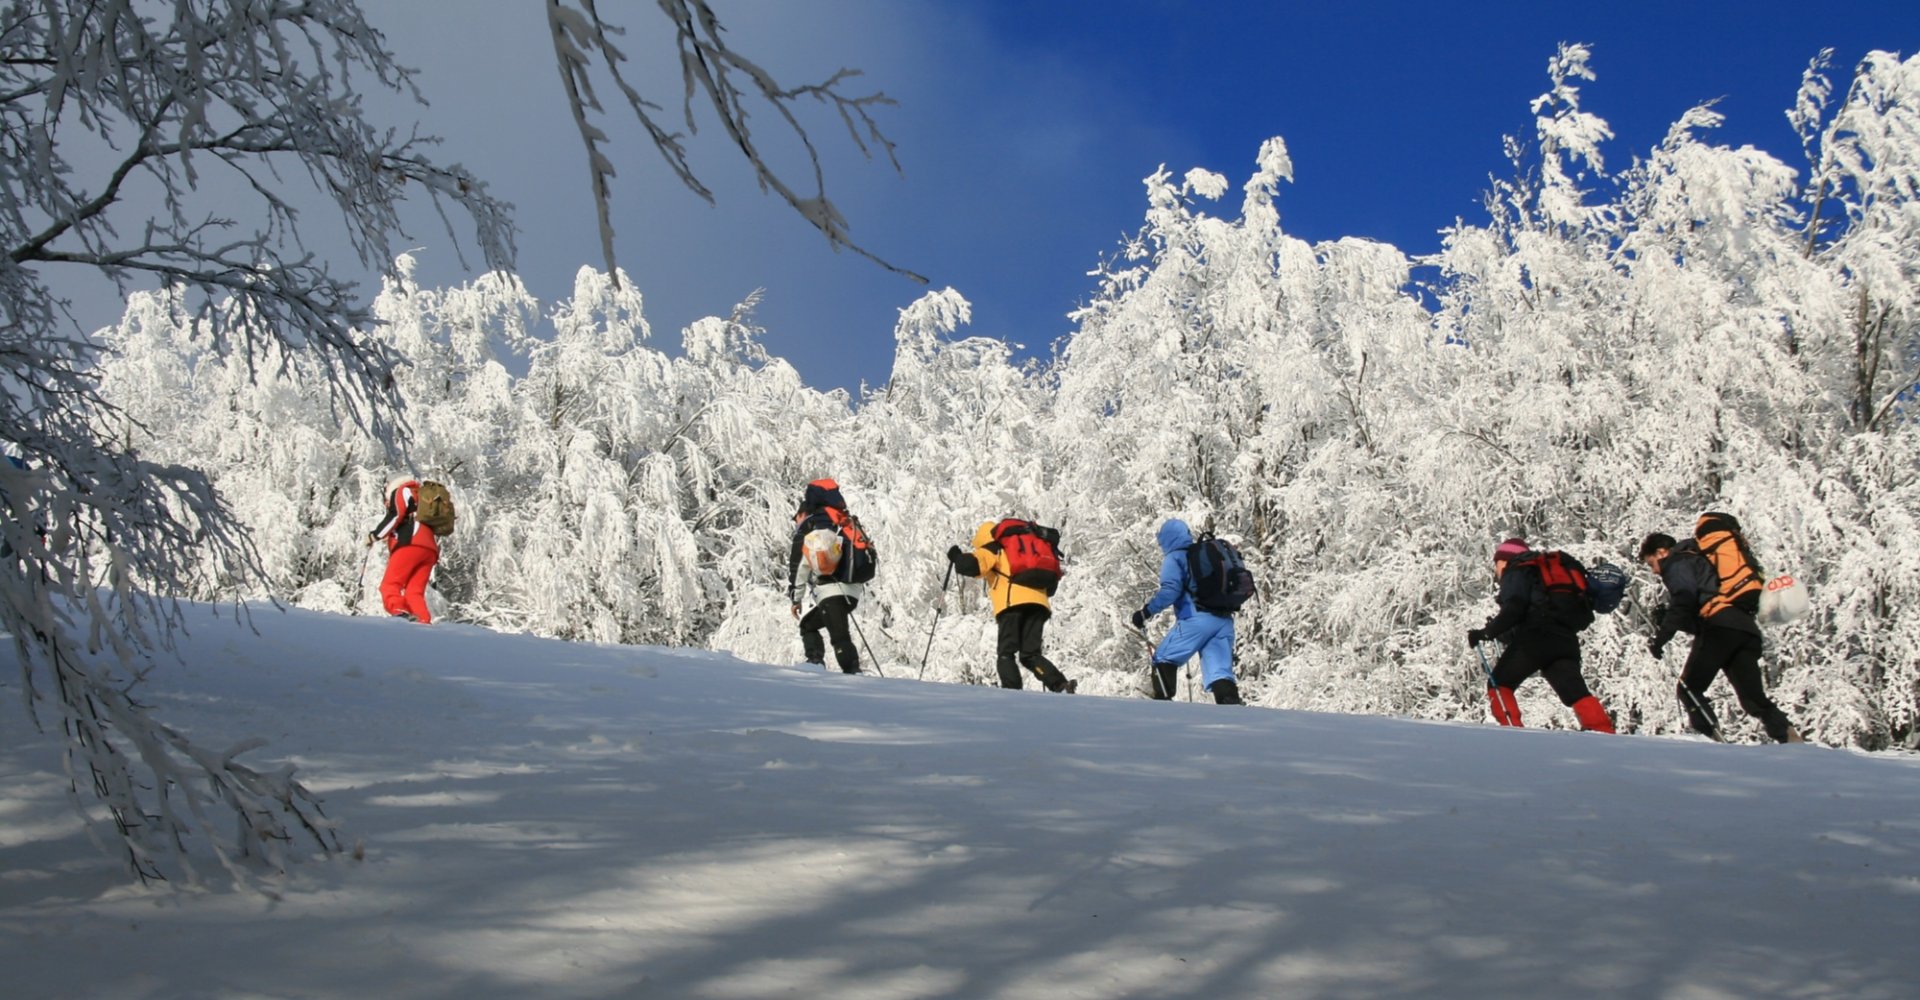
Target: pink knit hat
x=1508, y=549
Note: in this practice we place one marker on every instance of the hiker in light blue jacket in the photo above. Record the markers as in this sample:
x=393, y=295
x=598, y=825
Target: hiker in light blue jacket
x=1195, y=630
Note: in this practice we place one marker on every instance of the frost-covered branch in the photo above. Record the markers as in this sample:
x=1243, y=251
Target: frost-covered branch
x=158, y=141
x=723, y=80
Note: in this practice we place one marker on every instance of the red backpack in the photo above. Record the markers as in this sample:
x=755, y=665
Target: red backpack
x=1565, y=582
x=1032, y=553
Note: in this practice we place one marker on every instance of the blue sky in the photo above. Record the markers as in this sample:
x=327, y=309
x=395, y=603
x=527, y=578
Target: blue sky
x=1024, y=130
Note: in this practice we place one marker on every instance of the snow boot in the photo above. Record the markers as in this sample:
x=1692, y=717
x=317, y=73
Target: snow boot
x=1592, y=715
x=1506, y=711
x=1166, y=680
x=1225, y=692
x=1049, y=675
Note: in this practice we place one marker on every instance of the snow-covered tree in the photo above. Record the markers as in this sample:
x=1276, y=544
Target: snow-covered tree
x=160, y=141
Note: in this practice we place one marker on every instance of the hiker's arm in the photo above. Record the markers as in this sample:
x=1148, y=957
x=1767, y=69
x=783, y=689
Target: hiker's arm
x=1514, y=600
x=1685, y=590
x=970, y=564
x=1173, y=583
x=394, y=513
x=793, y=562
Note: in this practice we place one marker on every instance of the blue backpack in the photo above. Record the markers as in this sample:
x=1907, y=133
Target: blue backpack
x=1606, y=586
x=1218, y=577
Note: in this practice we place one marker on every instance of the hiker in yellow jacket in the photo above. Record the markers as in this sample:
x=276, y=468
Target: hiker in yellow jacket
x=1020, y=609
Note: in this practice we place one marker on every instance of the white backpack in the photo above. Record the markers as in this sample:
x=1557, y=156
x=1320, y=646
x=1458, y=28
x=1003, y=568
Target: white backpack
x=1782, y=600
x=821, y=552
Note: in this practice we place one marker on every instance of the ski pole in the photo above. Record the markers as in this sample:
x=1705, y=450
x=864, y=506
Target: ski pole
x=862, y=633
x=1153, y=676
x=938, y=607
x=1705, y=712
x=365, y=555
x=1502, y=710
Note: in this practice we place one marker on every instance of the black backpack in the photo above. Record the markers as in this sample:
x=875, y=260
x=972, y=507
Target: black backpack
x=1219, y=579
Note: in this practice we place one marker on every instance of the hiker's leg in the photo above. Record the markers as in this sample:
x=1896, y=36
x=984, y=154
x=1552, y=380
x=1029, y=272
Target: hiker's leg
x=1007, y=647
x=416, y=588
x=812, y=648
x=1743, y=672
x=1032, y=640
x=837, y=609
x=1216, y=651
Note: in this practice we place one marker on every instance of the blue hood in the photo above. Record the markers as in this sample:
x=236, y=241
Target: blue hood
x=1174, y=535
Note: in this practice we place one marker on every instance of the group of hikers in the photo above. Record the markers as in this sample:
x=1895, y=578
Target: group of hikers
x=1018, y=563
x=1545, y=599
x=1714, y=593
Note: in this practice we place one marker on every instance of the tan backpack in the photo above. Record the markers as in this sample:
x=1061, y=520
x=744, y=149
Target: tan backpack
x=433, y=507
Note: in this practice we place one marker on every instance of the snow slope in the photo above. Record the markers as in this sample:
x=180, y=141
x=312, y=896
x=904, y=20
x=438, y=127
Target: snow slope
x=543, y=819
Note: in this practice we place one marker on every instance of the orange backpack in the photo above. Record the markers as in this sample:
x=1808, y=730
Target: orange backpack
x=857, y=560
x=1725, y=548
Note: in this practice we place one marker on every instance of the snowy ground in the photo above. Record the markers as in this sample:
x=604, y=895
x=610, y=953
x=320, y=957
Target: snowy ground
x=555, y=820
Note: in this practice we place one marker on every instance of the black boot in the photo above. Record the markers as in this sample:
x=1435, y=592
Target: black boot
x=1166, y=678
x=1225, y=692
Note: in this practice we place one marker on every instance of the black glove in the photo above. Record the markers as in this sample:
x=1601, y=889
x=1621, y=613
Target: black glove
x=954, y=554
x=1476, y=636
x=1139, y=619
x=1657, y=646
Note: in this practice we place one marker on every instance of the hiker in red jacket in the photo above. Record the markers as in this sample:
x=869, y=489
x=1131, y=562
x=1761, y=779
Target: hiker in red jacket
x=412, y=552
x=1544, y=624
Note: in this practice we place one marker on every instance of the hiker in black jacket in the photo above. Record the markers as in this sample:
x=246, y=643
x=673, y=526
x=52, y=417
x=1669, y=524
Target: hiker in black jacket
x=834, y=599
x=1726, y=638
x=1544, y=630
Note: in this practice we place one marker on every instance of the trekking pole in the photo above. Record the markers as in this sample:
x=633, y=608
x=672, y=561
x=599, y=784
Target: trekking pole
x=1705, y=712
x=862, y=633
x=1153, y=679
x=365, y=555
x=1499, y=704
x=938, y=607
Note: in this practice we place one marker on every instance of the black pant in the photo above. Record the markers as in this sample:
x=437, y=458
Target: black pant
x=1736, y=653
x=831, y=614
x=1554, y=657
x=1021, y=628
